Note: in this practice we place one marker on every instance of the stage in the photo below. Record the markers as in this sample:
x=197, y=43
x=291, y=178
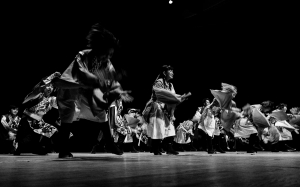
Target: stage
x=144, y=169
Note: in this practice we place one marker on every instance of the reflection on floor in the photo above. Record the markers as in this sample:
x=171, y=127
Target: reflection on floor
x=144, y=169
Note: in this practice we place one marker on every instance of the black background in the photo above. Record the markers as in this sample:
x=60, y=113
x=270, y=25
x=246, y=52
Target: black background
x=250, y=44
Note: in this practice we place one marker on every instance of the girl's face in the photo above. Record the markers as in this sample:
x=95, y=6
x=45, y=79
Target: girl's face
x=272, y=120
x=169, y=74
x=14, y=111
x=207, y=102
x=284, y=109
x=48, y=89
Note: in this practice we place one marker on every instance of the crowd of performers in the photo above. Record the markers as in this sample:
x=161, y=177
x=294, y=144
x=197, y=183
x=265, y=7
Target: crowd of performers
x=89, y=90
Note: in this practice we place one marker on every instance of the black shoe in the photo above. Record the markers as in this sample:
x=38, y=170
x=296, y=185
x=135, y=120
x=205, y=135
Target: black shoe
x=258, y=148
x=251, y=151
x=94, y=149
x=180, y=148
x=115, y=150
x=161, y=150
x=273, y=149
x=17, y=153
x=65, y=155
x=192, y=148
x=218, y=149
x=40, y=151
x=157, y=153
x=172, y=152
x=289, y=148
x=133, y=150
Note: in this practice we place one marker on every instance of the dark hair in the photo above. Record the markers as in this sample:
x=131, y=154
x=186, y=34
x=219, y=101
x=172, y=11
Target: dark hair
x=101, y=39
x=13, y=107
x=267, y=106
x=163, y=69
x=281, y=106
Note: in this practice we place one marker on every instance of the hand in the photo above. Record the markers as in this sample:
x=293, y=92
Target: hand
x=185, y=96
x=172, y=118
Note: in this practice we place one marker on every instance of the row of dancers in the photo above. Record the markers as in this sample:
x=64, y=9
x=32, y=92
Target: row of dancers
x=90, y=89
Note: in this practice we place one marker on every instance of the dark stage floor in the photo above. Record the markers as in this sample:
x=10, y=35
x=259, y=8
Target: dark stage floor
x=144, y=169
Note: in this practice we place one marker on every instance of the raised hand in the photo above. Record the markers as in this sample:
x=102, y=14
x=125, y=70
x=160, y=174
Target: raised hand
x=185, y=96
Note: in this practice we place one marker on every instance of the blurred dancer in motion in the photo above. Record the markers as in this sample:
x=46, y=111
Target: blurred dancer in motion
x=88, y=87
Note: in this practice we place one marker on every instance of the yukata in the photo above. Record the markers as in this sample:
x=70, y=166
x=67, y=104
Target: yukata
x=35, y=116
x=218, y=126
x=271, y=135
x=184, y=131
x=257, y=118
x=121, y=128
x=228, y=112
x=159, y=110
x=207, y=122
x=282, y=125
x=244, y=128
x=82, y=87
x=285, y=130
x=10, y=125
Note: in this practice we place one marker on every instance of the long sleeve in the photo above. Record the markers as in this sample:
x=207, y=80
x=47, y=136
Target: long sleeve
x=77, y=76
x=164, y=95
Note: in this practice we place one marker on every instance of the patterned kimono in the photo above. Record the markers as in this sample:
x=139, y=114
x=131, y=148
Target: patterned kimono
x=159, y=109
x=10, y=124
x=184, y=131
x=121, y=128
x=35, y=116
x=218, y=125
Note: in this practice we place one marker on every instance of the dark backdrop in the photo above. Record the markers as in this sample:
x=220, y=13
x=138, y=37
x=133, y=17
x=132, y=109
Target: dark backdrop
x=250, y=44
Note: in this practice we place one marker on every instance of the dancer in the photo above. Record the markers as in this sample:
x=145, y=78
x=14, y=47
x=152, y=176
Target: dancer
x=229, y=112
x=10, y=124
x=159, y=111
x=89, y=86
x=244, y=128
x=208, y=124
x=284, y=128
x=184, y=133
x=33, y=128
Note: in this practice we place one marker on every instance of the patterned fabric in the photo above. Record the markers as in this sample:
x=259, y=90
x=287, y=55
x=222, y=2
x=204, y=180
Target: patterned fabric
x=218, y=126
x=11, y=124
x=43, y=106
x=36, y=114
x=40, y=127
x=121, y=128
